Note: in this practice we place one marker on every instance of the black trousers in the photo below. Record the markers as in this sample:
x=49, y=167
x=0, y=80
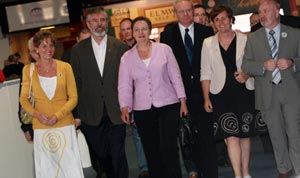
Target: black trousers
x=204, y=149
x=108, y=143
x=157, y=128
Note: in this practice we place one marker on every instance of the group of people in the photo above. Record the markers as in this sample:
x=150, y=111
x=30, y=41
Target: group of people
x=231, y=84
x=13, y=66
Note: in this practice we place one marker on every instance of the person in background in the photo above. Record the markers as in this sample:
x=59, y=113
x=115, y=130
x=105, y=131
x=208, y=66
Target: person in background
x=27, y=128
x=82, y=34
x=272, y=56
x=126, y=33
x=254, y=19
x=200, y=15
x=95, y=62
x=55, y=96
x=150, y=84
x=228, y=91
x=14, y=69
x=293, y=21
x=186, y=38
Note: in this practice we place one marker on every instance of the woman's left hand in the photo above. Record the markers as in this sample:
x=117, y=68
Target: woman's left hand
x=183, y=108
x=52, y=120
x=241, y=77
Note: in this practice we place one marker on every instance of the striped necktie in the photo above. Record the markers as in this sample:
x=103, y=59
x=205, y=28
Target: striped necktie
x=276, y=76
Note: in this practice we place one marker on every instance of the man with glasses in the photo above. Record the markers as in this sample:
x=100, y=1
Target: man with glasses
x=186, y=38
x=200, y=15
x=95, y=63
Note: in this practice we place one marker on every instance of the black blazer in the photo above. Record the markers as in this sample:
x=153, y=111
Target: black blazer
x=190, y=72
x=95, y=90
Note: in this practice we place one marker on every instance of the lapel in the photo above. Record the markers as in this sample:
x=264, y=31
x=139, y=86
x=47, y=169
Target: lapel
x=216, y=51
x=240, y=47
x=262, y=38
x=91, y=59
x=283, y=39
x=108, y=55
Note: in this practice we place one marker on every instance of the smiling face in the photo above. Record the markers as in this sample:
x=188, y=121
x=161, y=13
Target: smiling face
x=268, y=14
x=46, y=49
x=98, y=24
x=222, y=22
x=141, y=31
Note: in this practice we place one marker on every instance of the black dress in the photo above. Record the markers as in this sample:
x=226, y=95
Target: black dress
x=234, y=112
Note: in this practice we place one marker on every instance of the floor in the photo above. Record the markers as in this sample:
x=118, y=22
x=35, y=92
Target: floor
x=262, y=165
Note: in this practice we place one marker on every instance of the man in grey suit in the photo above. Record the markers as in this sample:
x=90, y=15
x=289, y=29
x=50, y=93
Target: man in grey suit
x=95, y=63
x=276, y=47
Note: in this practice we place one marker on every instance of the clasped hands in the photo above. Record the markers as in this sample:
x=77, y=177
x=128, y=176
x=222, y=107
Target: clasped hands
x=241, y=77
x=46, y=120
x=282, y=64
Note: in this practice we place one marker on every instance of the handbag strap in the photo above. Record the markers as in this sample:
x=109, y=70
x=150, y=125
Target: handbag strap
x=31, y=72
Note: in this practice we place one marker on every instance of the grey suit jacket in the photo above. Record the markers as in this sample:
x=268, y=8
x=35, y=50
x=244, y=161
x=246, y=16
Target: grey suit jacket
x=95, y=90
x=257, y=51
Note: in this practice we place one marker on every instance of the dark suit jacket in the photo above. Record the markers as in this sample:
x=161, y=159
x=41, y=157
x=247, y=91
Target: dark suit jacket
x=95, y=90
x=190, y=72
x=258, y=50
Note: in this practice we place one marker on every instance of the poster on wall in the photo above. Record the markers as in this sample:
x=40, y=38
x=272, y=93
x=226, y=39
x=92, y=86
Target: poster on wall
x=238, y=6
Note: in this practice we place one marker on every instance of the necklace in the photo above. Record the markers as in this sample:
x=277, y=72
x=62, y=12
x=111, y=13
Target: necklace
x=46, y=67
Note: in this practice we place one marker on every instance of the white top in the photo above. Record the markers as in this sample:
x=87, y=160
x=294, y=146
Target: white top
x=146, y=61
x=100, y=51
x=48, y=84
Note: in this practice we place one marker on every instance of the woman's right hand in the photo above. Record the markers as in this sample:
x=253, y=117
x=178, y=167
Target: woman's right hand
x=42, y=118
x=208, y=105
x=125, y=115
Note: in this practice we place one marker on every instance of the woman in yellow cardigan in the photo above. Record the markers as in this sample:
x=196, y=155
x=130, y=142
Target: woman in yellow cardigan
x=56, y=151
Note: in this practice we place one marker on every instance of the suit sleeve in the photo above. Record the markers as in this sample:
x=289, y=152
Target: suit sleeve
x=125, y=83
x=296, y=59
x=25, y=91
x=206, y=71
x=174, y=73
x=250, y=65
x=75, y=63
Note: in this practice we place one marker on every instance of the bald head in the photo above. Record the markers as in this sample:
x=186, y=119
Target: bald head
x=268, y=11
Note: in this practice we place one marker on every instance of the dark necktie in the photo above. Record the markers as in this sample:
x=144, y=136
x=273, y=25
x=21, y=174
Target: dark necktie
x=276, y=77
x=188, y=45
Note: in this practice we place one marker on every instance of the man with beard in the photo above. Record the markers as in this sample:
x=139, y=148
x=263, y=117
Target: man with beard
x=95, y=62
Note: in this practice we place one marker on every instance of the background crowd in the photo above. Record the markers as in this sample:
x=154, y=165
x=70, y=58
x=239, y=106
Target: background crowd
x=232, y=85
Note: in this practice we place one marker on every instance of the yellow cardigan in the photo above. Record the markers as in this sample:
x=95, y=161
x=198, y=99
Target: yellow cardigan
x=61, y=105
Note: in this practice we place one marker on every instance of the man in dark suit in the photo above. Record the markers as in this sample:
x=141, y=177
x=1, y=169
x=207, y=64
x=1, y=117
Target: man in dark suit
x=272, y=56
x=95, y=63
x=188, y=58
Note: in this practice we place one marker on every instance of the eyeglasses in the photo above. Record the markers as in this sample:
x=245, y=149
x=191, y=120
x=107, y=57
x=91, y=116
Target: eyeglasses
x=199, y=15
x=144, y=29
x=97, y=20
x=187, y=11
